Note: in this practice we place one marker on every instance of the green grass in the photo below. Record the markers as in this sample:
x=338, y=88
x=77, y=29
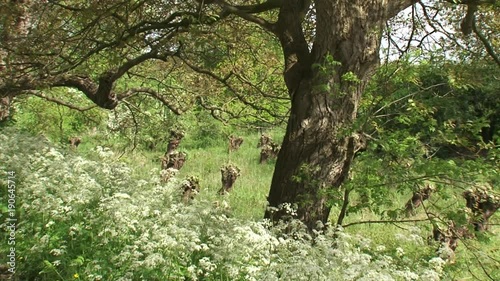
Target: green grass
x=248, y=198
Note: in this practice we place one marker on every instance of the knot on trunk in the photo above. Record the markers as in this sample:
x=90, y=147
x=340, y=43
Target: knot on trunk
x=229, y=175
x=360, y=143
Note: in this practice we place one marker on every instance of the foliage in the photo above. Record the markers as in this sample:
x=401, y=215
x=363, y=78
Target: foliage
x=57, y=122
x=430, y=122
x=100, y=220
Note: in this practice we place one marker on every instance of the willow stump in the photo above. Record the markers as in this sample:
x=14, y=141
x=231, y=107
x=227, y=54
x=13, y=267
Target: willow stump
x=269, y=151
x=264, y=140
x=483, y=205
x=74, y=142
x=418, y=198
x=167, y=174
x=175, y=138
x=229, y=175
x=235, y=143
x=174, y=160
x=190, y=187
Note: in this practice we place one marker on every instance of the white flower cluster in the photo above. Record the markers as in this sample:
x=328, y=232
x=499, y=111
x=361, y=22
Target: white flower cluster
x=128, y=228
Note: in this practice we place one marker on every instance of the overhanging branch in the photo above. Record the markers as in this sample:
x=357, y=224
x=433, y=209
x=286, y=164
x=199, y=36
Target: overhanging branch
x=247, y=12
x=59, y=102
x=385, y=222
x=225, y=82
x=487, y=45
x=156, y=95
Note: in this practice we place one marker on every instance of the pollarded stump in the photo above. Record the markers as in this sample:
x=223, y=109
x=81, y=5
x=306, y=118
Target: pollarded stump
x=235, y=143
x=74, y=142
x=167, y=174
x=229, y=175
x=190, y=187
x=269, y=151
x=175, y=160
x=483, y=204
x=418, y=198
x=264, y=140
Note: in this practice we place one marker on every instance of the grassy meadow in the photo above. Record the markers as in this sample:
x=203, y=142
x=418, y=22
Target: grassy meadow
x=98, y=214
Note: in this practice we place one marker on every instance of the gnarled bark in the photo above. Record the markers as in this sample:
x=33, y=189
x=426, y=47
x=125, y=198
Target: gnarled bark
x=5, y=108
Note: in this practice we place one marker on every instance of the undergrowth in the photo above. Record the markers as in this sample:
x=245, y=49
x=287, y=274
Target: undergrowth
x=100, y=219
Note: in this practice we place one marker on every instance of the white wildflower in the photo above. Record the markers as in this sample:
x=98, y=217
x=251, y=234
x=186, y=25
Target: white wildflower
x=56, y=252
x=399, y=251
x=121, y=195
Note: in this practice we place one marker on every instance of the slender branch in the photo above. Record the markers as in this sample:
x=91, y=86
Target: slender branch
x=246, y=12
x=478, y=259
x=345, y=205
x=385, y=221
x=486, y=43
x=136, y=126
x=407, y=96
x=175, y=109
x=58, y=101
x=471, y=2
x=225, y=82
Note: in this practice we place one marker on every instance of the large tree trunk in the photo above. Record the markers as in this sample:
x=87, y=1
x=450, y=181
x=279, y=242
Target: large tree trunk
x=325, y=87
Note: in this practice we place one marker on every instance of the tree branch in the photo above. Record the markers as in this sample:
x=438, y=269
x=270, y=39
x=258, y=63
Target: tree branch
x=489, y=48
x=58, y=101
x=246, y=12
x=175, y=109
x=224, y=82
x=385, y=221
x=469, y=20
x=471, y=2
x=394, y=7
